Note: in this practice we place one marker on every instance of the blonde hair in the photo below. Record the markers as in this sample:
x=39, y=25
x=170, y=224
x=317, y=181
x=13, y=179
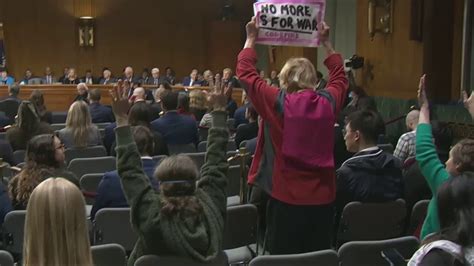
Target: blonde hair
x=79, y=122
x=298, y=74
x=197, y=99
x=56, y=232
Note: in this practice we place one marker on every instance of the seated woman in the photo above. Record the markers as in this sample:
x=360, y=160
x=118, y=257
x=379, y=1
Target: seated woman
x=183, y=105
x=37, y=99
x=56, y=207
x=27, y=126
x=197, y=104
x=79, y=131
x=71, y=77
x=44, y=159
x=461, y=159
x=186, y=218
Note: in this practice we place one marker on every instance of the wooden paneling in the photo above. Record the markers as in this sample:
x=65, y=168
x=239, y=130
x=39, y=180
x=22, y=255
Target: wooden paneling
x=60, y=97
x=457, y=48
x=282, y=53
x=142, y=33
x=393, y=63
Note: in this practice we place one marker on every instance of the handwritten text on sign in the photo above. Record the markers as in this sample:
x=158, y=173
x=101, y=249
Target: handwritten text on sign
x=289, y=23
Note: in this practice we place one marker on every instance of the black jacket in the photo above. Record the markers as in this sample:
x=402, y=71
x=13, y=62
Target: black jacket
x=369, y=176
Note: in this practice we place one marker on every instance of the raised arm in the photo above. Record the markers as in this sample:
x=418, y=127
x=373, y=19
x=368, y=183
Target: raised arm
x=426, y=155
x=136, y=186
x=214, y=171
x=469, y=103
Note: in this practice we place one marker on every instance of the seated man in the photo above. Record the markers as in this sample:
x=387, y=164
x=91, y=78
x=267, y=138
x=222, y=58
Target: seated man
x=5, y=79
x=13, y=91
x=250, y=130
x=175, y=128
x=192, y=80
x=371, y=175
x=109, y=192
x=99, y=112
x=406, y=144
x=106, y=77
x=82, y=93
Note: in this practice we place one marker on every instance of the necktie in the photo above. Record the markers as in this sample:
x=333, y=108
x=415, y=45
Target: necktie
x=156, y=81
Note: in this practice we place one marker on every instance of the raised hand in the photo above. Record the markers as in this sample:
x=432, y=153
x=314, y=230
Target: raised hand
x=252, y=33
x=422, y=98
x=218, y=98
x=120, y=103
x=469, y=103
x=323, y=35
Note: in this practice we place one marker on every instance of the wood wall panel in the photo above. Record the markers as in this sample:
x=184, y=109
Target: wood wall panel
x=141, y=33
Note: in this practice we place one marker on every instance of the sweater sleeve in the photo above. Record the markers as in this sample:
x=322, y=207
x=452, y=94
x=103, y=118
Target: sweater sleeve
x=338, y=83
x=214, y=171
x=144, y=202
x=262, y=95
x=430, y=165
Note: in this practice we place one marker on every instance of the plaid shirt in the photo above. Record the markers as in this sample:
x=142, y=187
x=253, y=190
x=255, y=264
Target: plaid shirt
x=406, y=146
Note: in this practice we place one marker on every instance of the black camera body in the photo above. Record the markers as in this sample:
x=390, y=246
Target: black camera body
x=355, y=62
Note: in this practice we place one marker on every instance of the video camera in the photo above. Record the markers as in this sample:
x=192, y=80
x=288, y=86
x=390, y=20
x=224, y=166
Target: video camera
x=355, y=62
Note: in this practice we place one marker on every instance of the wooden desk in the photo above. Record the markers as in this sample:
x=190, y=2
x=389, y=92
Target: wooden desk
x=59, y=97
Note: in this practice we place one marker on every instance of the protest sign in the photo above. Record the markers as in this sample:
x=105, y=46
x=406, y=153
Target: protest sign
x=289, y=22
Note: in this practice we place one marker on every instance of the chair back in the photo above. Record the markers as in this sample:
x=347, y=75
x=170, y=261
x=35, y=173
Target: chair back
x=233, y=180
x=89, y=184
x=82, y=166
x=202, y=146
x=371, y=221
x=112, y=225
x=197, y=157
x=19, y=156
x=59, y=126
x=241, y=226
x=231, y=124
x=153, y=260
x=58, y=117
x=6, y=259
x=102, y=125
x=203, y=132
x=323, y=257
x=3, y=135
x=158, y=158
x=88, y=152
x=13, y=228
x=181, y=148
x=418, y=215
x=361, y=253
x=109, y=255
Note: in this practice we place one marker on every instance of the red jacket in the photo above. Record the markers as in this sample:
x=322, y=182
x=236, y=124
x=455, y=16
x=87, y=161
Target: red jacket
x=316, y=187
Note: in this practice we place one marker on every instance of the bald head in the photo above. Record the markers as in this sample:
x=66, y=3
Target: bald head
x=82, y=88
x=139, y=94
x=128, y=72
x=412, y=119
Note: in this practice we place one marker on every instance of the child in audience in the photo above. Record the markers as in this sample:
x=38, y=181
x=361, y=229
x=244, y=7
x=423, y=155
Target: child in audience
x=44, y=159
x=186, y=218
x=294, y=161
x=56, y=232
x=79, y=131
x=27, y=126
x=461, y=159
x=453, y=244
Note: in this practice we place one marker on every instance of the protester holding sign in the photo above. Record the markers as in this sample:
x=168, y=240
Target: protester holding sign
x=293, y=161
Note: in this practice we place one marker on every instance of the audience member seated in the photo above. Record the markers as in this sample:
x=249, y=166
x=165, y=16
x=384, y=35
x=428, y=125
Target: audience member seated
x=106, y=77
x=139, y=95
x=48, y=78
x=371, y=175
x=44, y=159
x=192, y=80
x=155, y=78
x=183, y=105
x=82, y=93
x=416, y=187
x=5, y=202
x=155, y=106
x=13, y=91
x=79, y=131
x=187, y=216
x=406, y=144
x=239, y=115
x=63, y=78
x=461, y=160
x=250, y=130
x=274, y=80
x=99, y=113
x=295, y=169
x=443, y=139
x=71, y=77
x=170, y=76
x=109, y=192
x=6, y=152
x=27, y=126
x=5, y=79
x=139, y=115
x=175, y=128
x=10, y=104
x=197, y=104
x=229, y=82
x=453, y=244
x=28, y=76
x=208, y=78
x=56, y=232
x=88, y=79
x=321, y=81
x=37, y=99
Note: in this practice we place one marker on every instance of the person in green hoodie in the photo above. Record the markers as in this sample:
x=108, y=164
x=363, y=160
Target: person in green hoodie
x=186, y=217
x=461, y=159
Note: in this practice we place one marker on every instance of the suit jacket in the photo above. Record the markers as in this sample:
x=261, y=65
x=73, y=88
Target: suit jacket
x=176, y=128
x=231, y=107
x=239, y=115
x=110, y=193
x=108, y=81
x=187, y=81
x=155, y=110
x=101, y=113
x=246, y=132
x=151, y=81
x=68, y=81
x=53, y=80
x=83, y=79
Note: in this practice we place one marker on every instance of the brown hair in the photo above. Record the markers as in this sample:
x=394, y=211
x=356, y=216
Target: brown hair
x=177, y=175
x=79, y=121
x=463, y=155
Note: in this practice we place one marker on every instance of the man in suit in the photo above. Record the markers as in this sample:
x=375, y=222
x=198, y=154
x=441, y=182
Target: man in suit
x=28, y=76
x=192, y=80
x=169, y=76
x=250, y=130
x=145, y=77
x=88, y=78
x=109, y=192
x=5, y=79
x=155, y=79
x=65, y=75
x=48, y=76
x=129, y=76
x=13, y=91
x=107, y=77
x=82, y=93
x=175, y=128
x=99, y=112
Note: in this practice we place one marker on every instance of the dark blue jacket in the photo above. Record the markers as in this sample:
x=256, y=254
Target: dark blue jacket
x=101, y=113
x=109, y=136
x=5, y=203
x=110, y=193
x=176, y=128
x=239, y=115
x=187, y=81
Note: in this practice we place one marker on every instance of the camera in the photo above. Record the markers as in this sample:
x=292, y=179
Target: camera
x=355, y=62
